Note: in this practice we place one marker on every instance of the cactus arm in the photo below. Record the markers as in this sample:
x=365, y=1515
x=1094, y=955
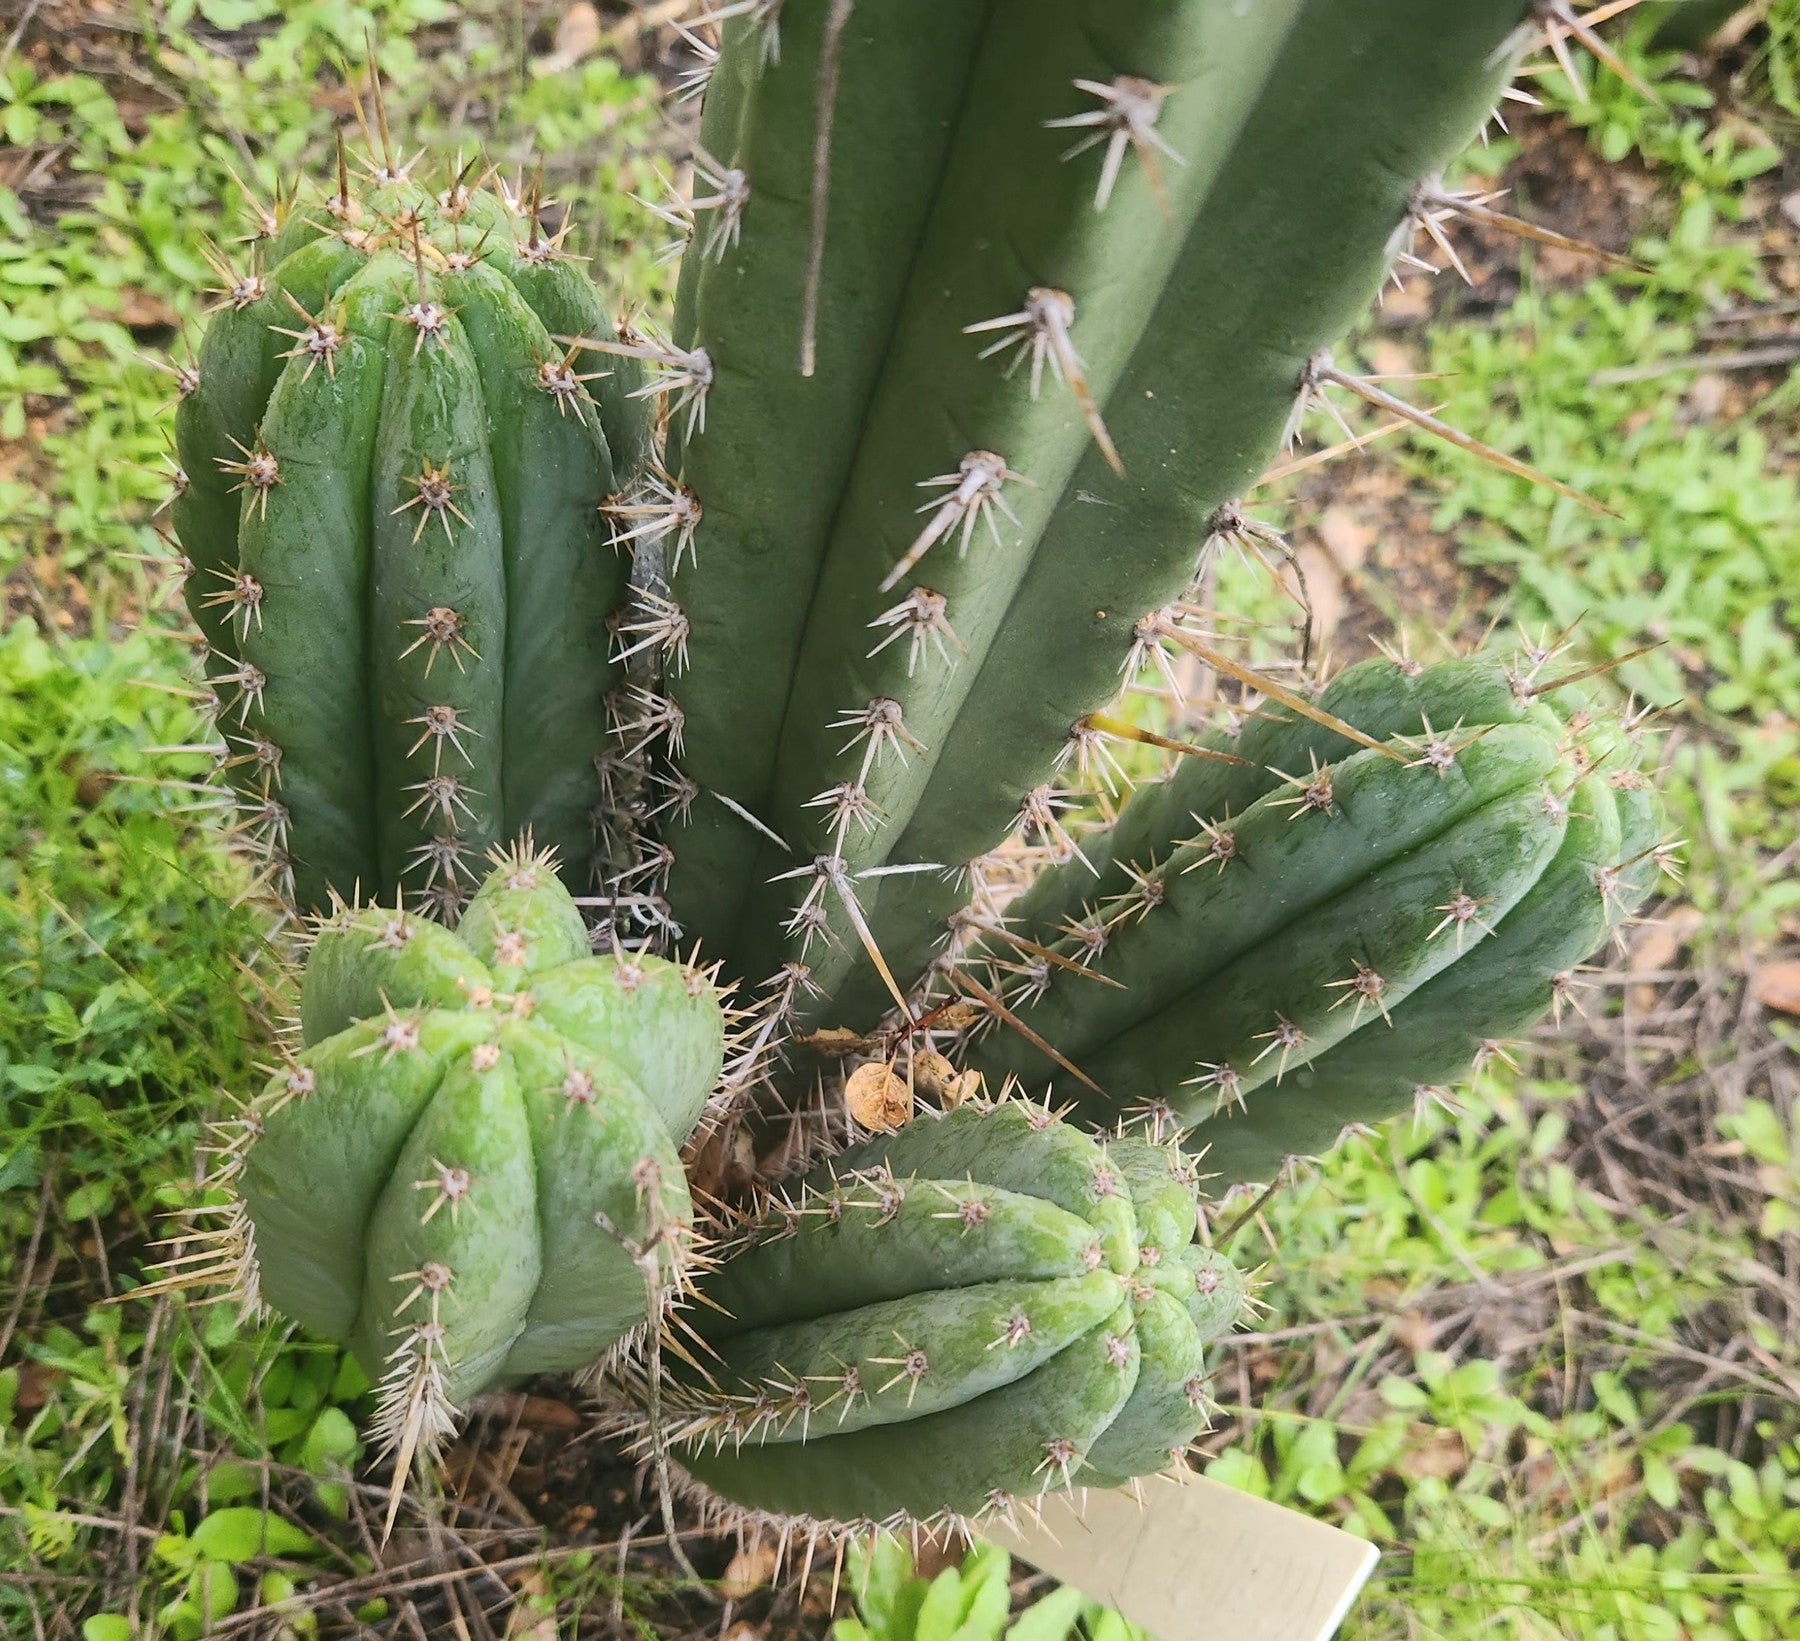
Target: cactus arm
x=924, y=1344
x=306, y=544
x=1290, y=863
x=363, y=963
x=659, y=1022
x=445, y=722
x=552, y=471
x=1167, y=1407
x=1293, y=240
x=1006, y=1442
x=1376, y=696
x=882, y=1250
x=480, y=1225
x=606, y=1170
x=1384, y=921
x=313, y=1181
x=494, y=612
x=770, y=469
x=1504, y=985
x=460, y=1192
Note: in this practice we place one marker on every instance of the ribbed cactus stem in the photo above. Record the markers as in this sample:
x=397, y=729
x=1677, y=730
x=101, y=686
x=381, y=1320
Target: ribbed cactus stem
x=1361, y=926
x=395, y=476
x=470, y=1171
x=981, y=1307
x=1050, y=344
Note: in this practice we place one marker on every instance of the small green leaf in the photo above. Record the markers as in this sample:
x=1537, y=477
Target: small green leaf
x=1048, y=1620
x=240, y=1533
x=331, y=1443
x=1760, y=1130
x=232, y=1479
x=213, y=1588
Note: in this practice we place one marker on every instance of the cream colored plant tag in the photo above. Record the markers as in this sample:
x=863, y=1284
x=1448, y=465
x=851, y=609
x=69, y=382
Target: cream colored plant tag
x=1198, y=1561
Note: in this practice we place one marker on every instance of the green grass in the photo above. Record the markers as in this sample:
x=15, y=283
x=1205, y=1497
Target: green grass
x=1541, y=1356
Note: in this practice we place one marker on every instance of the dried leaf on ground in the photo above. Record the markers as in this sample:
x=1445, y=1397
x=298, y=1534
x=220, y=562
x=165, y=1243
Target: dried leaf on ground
x=1777, y=985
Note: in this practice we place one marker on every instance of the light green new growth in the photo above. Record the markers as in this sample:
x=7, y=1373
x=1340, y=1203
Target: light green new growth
x=978, y=1308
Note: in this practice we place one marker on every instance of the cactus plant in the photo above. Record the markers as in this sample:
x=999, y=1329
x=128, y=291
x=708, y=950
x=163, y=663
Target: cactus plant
x=982, y=1306
x=1070, y=272
x=391, y=477
x=469, y=1172
x=1302, y=940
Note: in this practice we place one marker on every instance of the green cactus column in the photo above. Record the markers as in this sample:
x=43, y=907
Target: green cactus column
x=393, y=483
x=984, y=1306
x=965, y=425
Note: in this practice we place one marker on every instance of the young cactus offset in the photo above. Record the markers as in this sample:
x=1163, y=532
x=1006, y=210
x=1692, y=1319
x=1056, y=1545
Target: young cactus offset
x=470, y=1172
x=1309, y=938
x=390, y=501
x=978, y=1308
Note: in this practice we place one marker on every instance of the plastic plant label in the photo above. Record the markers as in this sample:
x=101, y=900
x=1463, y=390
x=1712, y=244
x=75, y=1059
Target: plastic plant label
x=1198, y=1561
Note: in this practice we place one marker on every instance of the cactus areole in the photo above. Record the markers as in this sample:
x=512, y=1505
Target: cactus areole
x=470, y=1172
x=979, y=1308
x=391, y=509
